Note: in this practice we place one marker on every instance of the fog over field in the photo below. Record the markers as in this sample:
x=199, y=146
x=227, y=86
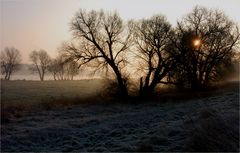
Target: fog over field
x=120, y=75
x=25, y=73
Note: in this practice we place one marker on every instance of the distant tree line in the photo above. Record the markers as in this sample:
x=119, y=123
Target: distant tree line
x=59, y=67
x=200, y=50
x=41, y=63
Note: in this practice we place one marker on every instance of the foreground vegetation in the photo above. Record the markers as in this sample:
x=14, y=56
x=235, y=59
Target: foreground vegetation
x=18, y=97
x=21, y=97
x=170, y=121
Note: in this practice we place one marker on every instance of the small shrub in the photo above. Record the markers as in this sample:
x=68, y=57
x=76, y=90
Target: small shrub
x=111, y=89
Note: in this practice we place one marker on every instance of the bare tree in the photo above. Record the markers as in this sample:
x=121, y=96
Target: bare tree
x=207, y=39
x=152, y=37
x=70, y=69
x=10, y=60
x=41, y=61
x=62, y=68
x=56, y=67
x=102, y=41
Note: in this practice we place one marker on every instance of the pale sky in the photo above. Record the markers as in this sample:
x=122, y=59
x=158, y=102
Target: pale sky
x=44, y=24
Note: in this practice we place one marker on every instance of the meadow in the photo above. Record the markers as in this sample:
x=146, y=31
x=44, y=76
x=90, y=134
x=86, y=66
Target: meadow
x=37, y=91
x=19, y=97
x=78, y=116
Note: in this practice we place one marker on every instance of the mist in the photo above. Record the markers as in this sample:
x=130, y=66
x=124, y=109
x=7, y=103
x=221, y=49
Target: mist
x=120, y=76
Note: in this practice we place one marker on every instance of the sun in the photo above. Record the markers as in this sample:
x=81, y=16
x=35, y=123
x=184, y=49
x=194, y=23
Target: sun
x=197, y=42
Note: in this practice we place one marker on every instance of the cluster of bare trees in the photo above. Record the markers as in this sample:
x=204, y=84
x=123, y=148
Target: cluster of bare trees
x=207, y=39
x=59, y=67
x=62, y=69
x=195, y=53
x=10, y=59
x=42, y=63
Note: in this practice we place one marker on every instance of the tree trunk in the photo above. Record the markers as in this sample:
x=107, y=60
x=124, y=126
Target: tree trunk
x=121, y=84
x=195, y=84
x=206, y=80
x=62, y=75
x=6, y=76
x=148, y=89
x=43, y=76
x=141, y=86
x=9, y=75
x=54, y=76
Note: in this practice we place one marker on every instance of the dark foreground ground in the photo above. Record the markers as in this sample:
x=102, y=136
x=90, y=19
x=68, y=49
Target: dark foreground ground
x=201, y=124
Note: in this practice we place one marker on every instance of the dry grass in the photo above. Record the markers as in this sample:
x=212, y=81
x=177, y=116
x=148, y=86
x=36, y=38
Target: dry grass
x=18, y=98
x=175, y=95
x=17, y=109
x=24, y=102
x=211, y=132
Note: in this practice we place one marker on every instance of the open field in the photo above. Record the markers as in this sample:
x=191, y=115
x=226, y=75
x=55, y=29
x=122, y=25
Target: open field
x=37, y=91
x=204, y=123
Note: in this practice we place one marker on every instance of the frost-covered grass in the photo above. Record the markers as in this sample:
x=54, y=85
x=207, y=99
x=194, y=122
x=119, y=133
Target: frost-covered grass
x=206, y=122
x=20, y=97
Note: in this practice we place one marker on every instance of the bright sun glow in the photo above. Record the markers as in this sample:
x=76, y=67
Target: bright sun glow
x=197, y=42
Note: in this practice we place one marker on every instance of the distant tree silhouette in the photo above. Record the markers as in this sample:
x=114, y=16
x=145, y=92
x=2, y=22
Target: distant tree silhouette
x=102, y=41
x=62, y=69
x=207, y=40
x=152, y=38
x=41, y=61
x=71, y=69
x=10, y=60
x=56, y=68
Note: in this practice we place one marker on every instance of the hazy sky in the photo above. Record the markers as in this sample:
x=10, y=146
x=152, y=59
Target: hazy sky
x=44, y=24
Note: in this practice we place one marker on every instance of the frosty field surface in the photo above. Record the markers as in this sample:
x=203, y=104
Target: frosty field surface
x=152, y=126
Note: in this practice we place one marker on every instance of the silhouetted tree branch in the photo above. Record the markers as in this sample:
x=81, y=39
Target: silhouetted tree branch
x=102, y=40
x=41, y=61
x=218, y=38
x=152, y=37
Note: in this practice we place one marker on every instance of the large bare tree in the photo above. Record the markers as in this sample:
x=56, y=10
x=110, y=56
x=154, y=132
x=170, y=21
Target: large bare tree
x=10, y=60
x=207, y=40
x=41, y=61
x=152, y=37
x=102, y=40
